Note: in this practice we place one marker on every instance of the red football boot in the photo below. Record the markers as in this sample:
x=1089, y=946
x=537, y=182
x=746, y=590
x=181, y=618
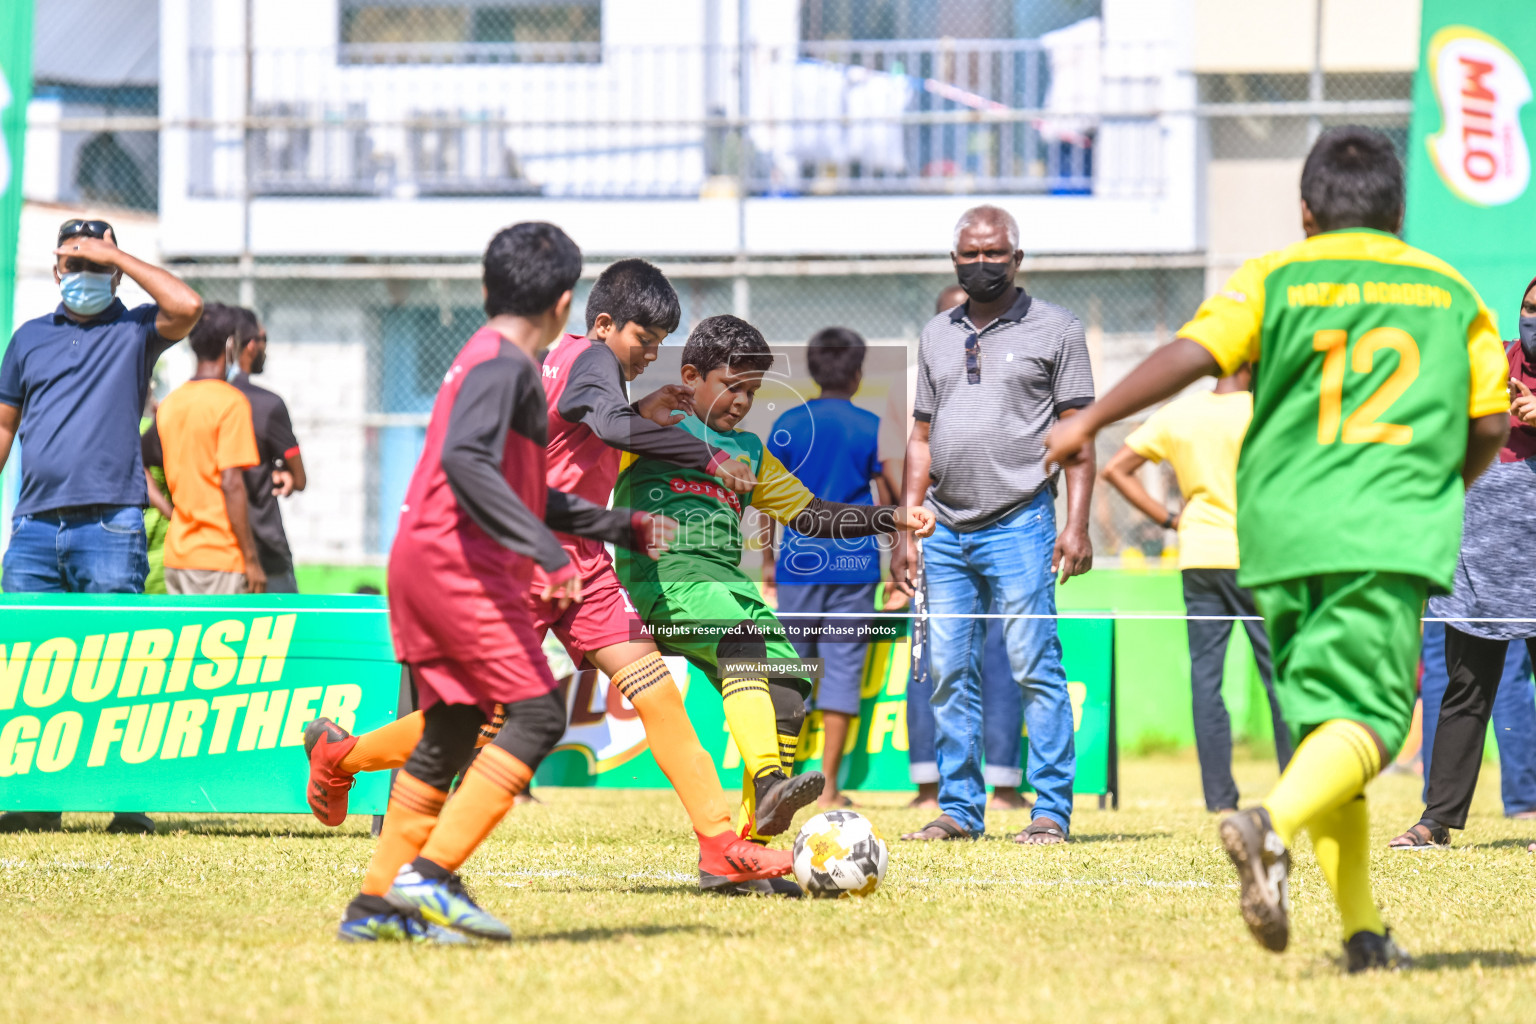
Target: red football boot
x=326, y=743
x=726, y=859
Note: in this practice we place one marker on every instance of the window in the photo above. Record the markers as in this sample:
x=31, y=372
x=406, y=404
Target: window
x=835, y=20
x=470, y=31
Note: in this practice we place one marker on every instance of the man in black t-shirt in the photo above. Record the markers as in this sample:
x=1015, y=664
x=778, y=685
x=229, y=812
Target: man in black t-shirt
x=281, y=471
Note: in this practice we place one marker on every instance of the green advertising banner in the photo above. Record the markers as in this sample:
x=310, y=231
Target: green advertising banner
x=1469, y=151
x=199, y=705
x=184, y=704
x=605, y=745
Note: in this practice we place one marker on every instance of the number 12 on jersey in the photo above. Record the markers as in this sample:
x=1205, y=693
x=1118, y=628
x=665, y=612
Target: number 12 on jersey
x=1364, y=426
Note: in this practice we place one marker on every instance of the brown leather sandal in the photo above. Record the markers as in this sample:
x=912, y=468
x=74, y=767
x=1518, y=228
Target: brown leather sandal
x=941, y=828
x=1042, y=832
x=1422, y=836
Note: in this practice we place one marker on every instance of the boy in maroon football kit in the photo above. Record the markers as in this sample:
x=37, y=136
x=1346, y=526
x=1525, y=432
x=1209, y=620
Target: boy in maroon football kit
x=584, y=381
x=472, y=539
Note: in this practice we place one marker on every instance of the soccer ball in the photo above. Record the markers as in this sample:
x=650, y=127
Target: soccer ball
x=839, y=853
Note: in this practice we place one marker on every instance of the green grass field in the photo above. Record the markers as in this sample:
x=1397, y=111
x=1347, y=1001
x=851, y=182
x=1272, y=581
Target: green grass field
x=231, y=919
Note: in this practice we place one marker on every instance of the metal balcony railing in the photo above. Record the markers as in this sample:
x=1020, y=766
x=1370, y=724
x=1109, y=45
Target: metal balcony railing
x=590, y=120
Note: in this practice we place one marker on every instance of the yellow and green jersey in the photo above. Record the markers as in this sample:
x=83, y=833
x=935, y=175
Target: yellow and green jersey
x=708, y=513
x=1369, y=359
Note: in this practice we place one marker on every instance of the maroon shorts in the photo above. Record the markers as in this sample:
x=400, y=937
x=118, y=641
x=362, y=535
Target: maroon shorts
x=506, y=680
x=604, y=617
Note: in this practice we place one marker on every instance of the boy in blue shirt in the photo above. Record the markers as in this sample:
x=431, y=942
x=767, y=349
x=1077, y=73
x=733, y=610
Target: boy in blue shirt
x=832, y=446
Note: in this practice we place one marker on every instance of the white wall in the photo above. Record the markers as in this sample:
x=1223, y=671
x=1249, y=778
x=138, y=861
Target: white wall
x=1281, y=35
x=324, y=385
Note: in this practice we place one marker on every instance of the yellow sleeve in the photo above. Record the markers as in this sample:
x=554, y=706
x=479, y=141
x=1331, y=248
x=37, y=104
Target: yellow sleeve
x=779, y=494
x=1490, y=366
x=1227, y=324
x=1150, y=440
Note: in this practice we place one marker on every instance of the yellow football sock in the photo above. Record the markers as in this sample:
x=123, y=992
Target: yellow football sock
x=1341, y=840
x=787, y=746
x=749, y=713
x=1331, y=767
x=648, y=686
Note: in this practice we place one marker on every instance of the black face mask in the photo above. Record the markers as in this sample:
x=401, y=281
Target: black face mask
x=984, y=281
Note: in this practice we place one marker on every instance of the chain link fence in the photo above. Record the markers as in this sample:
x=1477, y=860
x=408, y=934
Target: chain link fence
x=495, y=98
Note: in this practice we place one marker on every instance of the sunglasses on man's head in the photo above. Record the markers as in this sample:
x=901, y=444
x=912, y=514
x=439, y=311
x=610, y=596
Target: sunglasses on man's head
x=77, y=227
x=972, y=358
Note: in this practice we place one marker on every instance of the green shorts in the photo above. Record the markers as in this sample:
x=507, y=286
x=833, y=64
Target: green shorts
x=690, y=610
x=1346, y=645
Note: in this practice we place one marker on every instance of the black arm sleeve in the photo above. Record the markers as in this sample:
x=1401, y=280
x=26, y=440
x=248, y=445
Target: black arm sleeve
x=569, y=513
x=594, y=395
x=149, y=446
x=472, y=451
x=843, y=522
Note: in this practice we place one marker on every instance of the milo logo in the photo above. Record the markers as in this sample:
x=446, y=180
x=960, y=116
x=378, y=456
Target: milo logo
x=1480, y=151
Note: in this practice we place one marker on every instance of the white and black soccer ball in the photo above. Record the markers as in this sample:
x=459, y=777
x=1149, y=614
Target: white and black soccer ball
x=839, y=853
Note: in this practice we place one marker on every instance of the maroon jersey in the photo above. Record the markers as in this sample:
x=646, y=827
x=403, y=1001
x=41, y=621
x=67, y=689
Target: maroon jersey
x=472, y=527
x=590, y=421
x=579, y=461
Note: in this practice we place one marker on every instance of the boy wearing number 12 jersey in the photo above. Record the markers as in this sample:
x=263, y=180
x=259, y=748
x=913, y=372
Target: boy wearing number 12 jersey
x=1379, y=392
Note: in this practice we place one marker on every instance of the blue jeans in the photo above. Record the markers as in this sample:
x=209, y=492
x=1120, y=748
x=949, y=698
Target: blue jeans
x=101, y=553
x=1002, y=715
x=1007, y=565
x=1514, y=718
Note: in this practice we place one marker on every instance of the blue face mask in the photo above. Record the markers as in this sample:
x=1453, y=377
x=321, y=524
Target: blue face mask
x=86, y=293
x=1528, y=336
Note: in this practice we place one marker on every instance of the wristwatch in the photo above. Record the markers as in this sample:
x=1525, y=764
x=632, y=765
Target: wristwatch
x=1168, y=523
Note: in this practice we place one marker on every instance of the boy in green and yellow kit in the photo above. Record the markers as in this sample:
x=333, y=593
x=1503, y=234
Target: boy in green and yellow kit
x=1379, y=393
x=696, y=600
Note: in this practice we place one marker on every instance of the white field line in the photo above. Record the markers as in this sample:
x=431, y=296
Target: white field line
x=40, y=866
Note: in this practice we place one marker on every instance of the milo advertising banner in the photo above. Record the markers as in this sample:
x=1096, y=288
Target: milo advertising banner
x=199, y=705
x=1469, y=153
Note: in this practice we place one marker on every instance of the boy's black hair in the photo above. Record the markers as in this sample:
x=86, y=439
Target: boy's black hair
x=633, y=291
x=835, y=357
x=1353, y=179
x=727, y=341
x=526, y=268
x=212, y=330
x=246, y=325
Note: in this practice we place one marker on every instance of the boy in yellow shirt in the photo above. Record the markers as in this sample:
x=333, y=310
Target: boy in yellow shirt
x=1200, y=436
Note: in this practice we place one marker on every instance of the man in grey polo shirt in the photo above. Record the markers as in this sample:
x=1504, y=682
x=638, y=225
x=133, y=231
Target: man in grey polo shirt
x=994, y=375
x=72, y=389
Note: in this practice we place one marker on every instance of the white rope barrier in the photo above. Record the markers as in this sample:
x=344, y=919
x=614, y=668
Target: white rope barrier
x=924, y=616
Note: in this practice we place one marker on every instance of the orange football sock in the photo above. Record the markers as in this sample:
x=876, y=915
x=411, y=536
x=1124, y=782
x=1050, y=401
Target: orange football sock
x=413, y=810
x=388, y=746
x=385, y=747
x=648, y=685
x=482, y=800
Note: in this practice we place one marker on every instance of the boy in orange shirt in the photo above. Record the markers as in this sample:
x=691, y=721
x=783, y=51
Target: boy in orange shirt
x=207, y=442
